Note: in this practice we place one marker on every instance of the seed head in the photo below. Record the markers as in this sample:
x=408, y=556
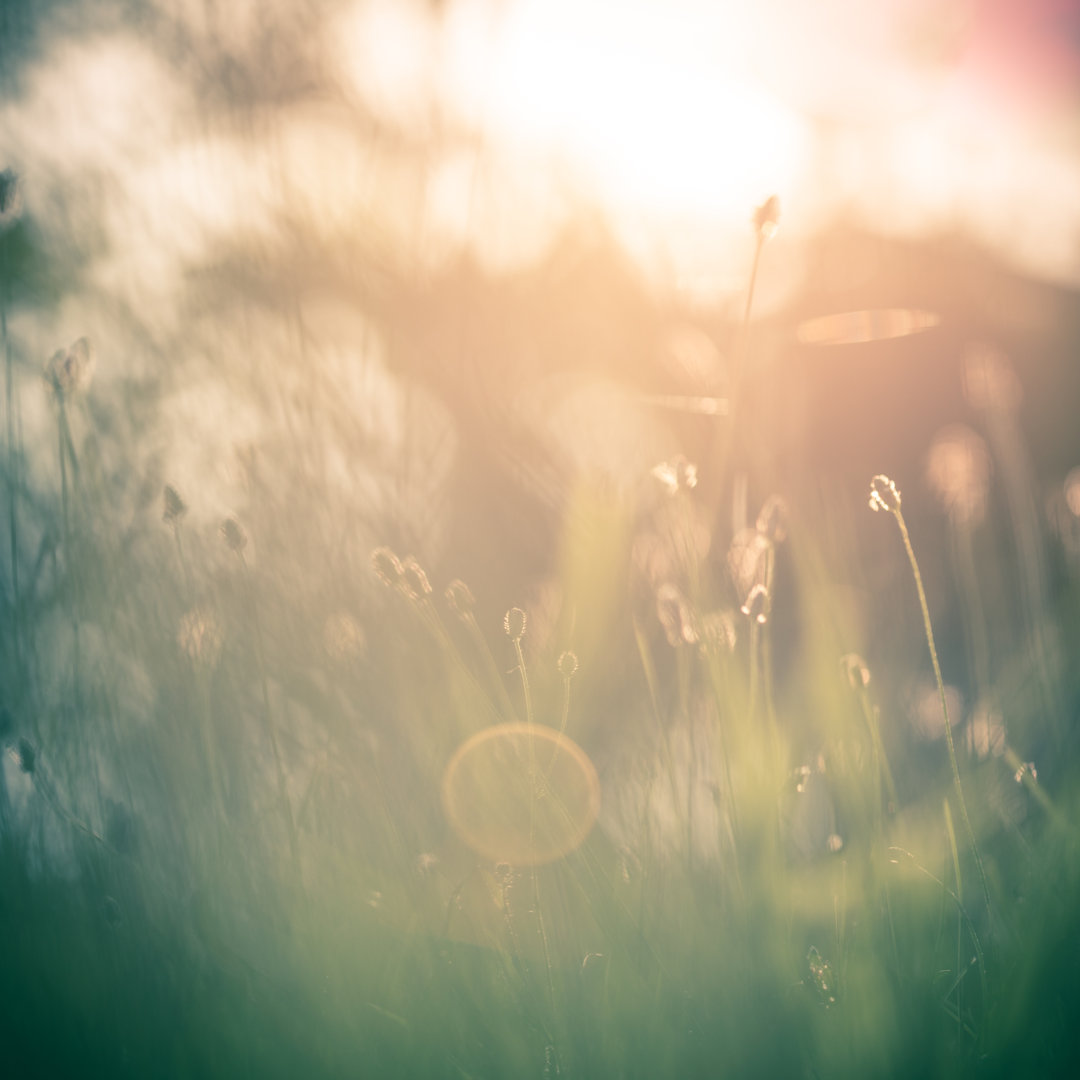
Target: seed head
x=767, y=217
x=568, y=664
x=514, y=624
x=459, y=598
x=414, y=582
x=677, y=474
x=386, y=565
x=200, y=637
x=855, y=670
x=233, y=534
x=11, y=202
x=748, y=560
x=71, y=369
x=884, y=494
x=1026, y=767
x=675, y=616
x=343, y=636
x=758, y=604
x=175, y=507
x=773, y=519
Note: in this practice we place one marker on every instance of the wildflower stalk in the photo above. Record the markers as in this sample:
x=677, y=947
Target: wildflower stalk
x=885, y=496
x=64, y=443
x=235, y=540
x=514, y=625
x=462, y=603
x=13, y=534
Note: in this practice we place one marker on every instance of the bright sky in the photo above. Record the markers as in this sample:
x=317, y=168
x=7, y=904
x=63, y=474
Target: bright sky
x=679, y=117
x=675, y=118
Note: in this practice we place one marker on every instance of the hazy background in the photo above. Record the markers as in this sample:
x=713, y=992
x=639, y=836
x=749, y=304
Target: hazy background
x=455, y=277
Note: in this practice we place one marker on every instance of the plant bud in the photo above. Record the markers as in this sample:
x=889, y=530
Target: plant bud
x=767, y=217
x=855, y=670
x=71, y=369
x=772, y=521
x=386, y=565
x=233, y=535
x=884, y=494
x=460, y=599
x=568, y=664
x=514, y=624
x=758, y=604
x=413, y=580
x=175, y=507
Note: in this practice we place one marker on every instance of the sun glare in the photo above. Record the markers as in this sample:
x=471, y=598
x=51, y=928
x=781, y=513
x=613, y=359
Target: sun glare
x=650, y=120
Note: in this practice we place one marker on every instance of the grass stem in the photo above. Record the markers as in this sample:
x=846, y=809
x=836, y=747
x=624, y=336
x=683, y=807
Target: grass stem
x=929, y=629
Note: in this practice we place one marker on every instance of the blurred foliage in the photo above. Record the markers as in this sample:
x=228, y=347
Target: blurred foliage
x=223, y=849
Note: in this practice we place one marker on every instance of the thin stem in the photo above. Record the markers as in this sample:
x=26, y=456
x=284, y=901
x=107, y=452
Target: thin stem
x=13, y=535
x=754, y=634
x=744, y=330
x=543, y=940
x=283, y=791
x=483, y=649
x=944, y=705
x=524, y=681
x=64, y=440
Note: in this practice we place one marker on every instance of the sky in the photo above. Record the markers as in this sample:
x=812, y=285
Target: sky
x=675, y=119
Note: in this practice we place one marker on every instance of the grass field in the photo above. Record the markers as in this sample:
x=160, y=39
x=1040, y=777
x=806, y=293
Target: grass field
x=481, y=673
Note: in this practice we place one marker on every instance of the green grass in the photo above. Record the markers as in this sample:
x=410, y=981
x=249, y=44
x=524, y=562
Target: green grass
x=223, y=851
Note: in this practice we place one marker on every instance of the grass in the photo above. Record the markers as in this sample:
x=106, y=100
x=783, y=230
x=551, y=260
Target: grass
x=223, y=852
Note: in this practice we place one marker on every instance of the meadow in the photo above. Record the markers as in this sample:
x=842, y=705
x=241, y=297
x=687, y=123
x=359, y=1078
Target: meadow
x=438, y=669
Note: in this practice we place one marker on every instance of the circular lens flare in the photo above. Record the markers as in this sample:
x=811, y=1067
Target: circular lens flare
x=521, y=794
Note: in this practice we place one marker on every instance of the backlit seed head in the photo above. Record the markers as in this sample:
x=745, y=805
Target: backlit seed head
x=1027, y=767
x=676, y=475
x=855, y=670
x=233, y=534
x=748, y=560
x=11, y=202
x=675, y=616
x=414, y=582
x=772, y=520
x=514, y=624
x=386, y=565
x=568, y=664
x=758, y=604
x=71, y=369
x=200, y=637
x=343, y=637
x=767, y=217
x=460, y=599
x=884, y=494
x=801, y=776
x=175, y=507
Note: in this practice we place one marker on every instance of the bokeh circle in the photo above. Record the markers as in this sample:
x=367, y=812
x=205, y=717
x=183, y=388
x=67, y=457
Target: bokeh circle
x=523, y=794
